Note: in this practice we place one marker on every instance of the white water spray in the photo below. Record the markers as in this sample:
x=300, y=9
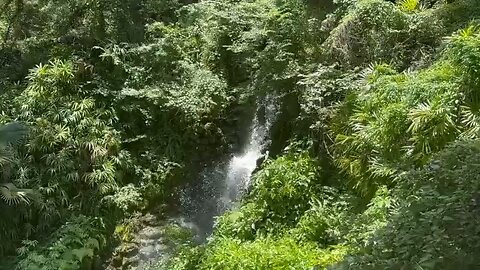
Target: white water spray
x=223, y=185
x=217, y=190
x=241, y=166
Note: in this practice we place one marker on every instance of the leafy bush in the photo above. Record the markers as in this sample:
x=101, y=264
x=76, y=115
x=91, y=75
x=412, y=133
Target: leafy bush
x=127, y=199
x=435, y=225
x=409, y=5
x=266, y=253
x=285, y=185
x=401, y=119
x=242, y=223
x=376, y=30
x=395, y=118
x=68, y=248
x=125, y=98
x=327, y=220
x=281, y=193
x=319, y=94
x=406, y=117
x=463, y=51
x=188, y=258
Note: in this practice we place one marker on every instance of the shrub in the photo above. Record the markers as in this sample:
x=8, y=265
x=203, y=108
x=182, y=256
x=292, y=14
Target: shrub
x=377, y=30
x=69, y=247
x=267, y=253
x=396, y=120
x=436, y=224
x=243, y=223
x=328, y=219
x=285, y=185
x=400, y=120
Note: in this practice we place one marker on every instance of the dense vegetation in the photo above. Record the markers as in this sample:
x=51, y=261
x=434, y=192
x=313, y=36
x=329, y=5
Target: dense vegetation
x=109, y=105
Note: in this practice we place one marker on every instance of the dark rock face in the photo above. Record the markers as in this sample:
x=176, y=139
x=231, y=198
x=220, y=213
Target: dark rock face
x=284, y=125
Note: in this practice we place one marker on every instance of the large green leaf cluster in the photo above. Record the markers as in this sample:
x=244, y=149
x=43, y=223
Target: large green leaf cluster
x=281, y=193
x=112, y=125
x=399, y=120
x=72, y=246
x=261, y=254
x=380, y=31
x=435, y=225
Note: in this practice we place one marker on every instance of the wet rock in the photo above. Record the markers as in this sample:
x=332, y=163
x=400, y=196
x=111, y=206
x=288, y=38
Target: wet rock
x=151, y=220
x=146, y=242
x=150, y=233
x=129, y=263
x=153, y=243
x=147, y=250
x=129, y=249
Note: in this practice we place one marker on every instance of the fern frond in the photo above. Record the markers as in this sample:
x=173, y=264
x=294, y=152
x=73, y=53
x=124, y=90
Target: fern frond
x=409, y=5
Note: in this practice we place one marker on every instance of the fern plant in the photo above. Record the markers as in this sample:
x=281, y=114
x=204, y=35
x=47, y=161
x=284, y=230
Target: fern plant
x=409, y=6
x=79, y=238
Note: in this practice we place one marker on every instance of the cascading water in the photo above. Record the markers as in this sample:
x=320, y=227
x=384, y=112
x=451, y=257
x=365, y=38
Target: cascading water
x=223, y=184
x=241, y=166
x=216, y=190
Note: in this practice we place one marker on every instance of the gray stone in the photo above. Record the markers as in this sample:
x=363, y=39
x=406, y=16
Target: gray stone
x=150, y=233
x=129, y=250
x=128, y=263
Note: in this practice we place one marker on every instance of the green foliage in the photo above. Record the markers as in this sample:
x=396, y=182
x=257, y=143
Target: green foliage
x=11, y=135
x=435, y=225
x=124, y=232
x=123, y=100
x=281, y=193
x=319, y=97
x=409, y=5
x=188, y=258
x=13, y=195
x=259, y=43
x=376, y=30
x=73, y=143
x=326, y=220
x=265, y=253
x=67, y=248
x=463, y=51
x=284, y=186
x=457, y=15
x=242, y=223
x=128, y=198
x=401, y=119
x=387, y=123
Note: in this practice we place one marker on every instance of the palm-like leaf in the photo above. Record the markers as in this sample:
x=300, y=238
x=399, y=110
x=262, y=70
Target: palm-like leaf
x=6, y=155
x=13, y=195
x=11, y=135
x=471, y=121
x=410, y=5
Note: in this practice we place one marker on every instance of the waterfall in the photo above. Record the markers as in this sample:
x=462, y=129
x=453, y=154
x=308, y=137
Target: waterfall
x=242, y=165
x=217, y=189
x=222, y=185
